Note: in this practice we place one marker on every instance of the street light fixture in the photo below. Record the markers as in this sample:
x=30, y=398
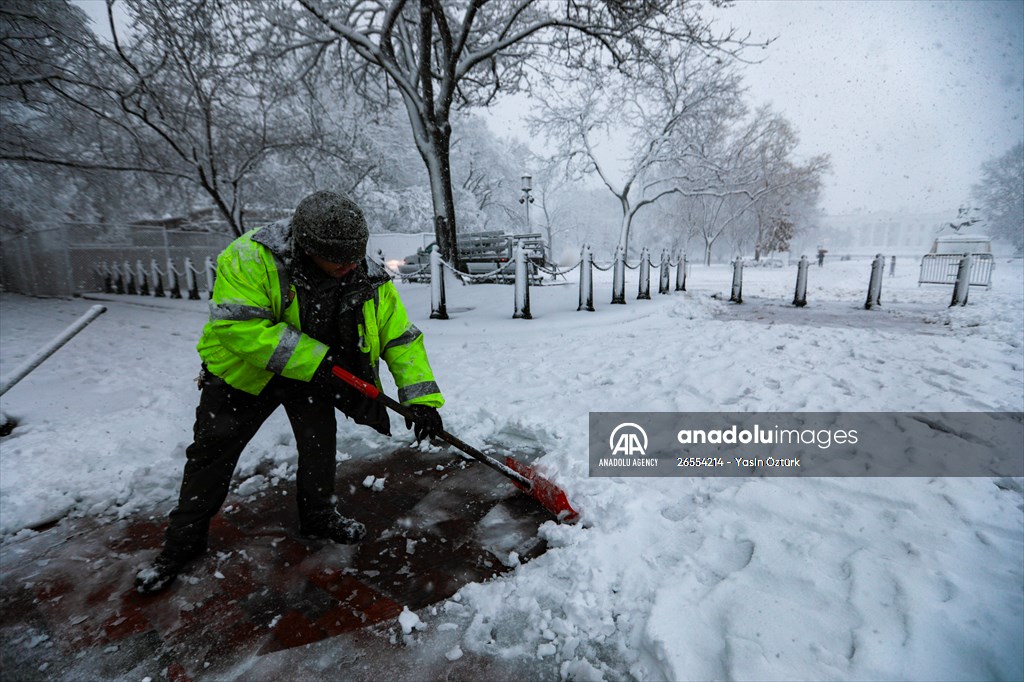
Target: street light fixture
x=527, y=199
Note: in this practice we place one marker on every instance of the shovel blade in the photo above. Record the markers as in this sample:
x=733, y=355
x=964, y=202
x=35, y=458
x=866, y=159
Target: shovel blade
x=550, y=496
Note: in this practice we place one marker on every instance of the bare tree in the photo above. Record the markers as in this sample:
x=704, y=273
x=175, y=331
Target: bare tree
x=46, y=52
x=343, y=143
x=186, y=96
x=794, y=189
x=745, y=166
x=551, y=184
x=439, y=56
x=190, y=79
x=41, y=43
x=667, y=111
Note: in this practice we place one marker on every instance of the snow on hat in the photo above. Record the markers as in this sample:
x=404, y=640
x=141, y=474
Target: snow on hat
x=332, y=227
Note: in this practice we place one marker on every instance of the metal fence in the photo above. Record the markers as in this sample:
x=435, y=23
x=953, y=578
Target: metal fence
x=942, y=269
x=66, y=259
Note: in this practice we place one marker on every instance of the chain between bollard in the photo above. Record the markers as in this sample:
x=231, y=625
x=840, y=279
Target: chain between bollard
x=556, y=271
x=481, y=276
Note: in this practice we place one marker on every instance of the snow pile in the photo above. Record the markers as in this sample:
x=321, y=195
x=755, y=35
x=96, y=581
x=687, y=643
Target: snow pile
x=774, y=578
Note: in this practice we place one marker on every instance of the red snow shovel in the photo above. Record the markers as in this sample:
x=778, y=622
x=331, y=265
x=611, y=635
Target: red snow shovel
x=550, y=496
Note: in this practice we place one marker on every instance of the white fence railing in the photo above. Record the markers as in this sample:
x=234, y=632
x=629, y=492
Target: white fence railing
x=941, y=268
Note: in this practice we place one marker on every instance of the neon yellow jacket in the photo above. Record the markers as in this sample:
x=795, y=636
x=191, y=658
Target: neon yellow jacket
x=254, y=332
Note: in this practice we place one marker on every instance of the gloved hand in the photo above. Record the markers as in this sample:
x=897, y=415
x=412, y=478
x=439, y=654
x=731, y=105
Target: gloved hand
x=325, y=380
x=427, y=422
x=323, y=376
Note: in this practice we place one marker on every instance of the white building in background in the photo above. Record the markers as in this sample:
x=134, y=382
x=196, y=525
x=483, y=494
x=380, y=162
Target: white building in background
x=899, y=234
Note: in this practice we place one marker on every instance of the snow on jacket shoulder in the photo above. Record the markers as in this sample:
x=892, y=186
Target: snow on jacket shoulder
x=254, y=332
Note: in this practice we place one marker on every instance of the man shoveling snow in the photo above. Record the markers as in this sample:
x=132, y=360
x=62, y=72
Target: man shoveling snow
x=291, y=301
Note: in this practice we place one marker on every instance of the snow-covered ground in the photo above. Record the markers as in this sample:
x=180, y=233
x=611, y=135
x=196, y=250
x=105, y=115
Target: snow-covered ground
x=665, y=579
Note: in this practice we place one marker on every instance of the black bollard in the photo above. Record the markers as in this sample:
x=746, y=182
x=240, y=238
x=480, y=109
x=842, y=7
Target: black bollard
x=192, y=281
x=644, y=289
x=663, y=275
x=875, y=283
x=963, y=282
x=438, y=307
x=619, y=277
x=737, y=281
x=681, y=269
x=800, y=297
x=586, y=280
x=130, y=276
x=143, y=278
x=172, y=276
x=522, y=286
x=158, y=279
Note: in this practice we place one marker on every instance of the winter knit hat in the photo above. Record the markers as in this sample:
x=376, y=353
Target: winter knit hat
x=332, y=227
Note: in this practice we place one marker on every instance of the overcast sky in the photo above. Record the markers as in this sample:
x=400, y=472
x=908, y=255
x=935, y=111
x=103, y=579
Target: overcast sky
x=909, y=97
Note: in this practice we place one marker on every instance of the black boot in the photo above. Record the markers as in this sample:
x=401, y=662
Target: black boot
x=165, y=568
x=330, y=525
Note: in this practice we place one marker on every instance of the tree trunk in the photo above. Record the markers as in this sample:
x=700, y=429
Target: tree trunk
x=627, y=222
x=437, y=157
x=760, y=240
x=232, y=216
x=432, y=133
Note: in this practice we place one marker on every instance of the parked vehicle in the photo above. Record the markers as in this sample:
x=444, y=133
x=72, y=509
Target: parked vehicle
x=488, y=254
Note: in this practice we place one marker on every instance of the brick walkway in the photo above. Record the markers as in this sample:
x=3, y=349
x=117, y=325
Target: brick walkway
x=68, y=608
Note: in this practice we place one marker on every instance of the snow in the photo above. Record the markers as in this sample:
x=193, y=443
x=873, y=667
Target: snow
x=410, y=621
x=703, y=578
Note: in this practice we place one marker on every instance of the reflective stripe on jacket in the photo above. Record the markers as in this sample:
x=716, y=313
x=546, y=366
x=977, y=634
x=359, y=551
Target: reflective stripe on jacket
x=254, y=331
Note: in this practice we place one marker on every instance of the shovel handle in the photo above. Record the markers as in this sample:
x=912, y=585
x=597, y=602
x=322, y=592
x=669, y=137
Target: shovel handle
x=364, y=387
x=374, y=393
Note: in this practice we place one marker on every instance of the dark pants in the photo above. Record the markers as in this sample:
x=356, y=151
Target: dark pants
x=226, y=420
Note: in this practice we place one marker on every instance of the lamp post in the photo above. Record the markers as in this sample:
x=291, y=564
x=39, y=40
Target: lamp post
x=527, y=199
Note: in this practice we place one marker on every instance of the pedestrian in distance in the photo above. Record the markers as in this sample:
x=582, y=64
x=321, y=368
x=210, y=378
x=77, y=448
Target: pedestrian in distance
x=892, y=266
x=291, y=301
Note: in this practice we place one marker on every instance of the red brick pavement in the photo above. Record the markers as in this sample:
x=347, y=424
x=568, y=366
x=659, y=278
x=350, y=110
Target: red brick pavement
x=68, y=608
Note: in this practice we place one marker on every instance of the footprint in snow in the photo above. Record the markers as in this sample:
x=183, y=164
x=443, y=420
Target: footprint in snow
x=725, y=557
